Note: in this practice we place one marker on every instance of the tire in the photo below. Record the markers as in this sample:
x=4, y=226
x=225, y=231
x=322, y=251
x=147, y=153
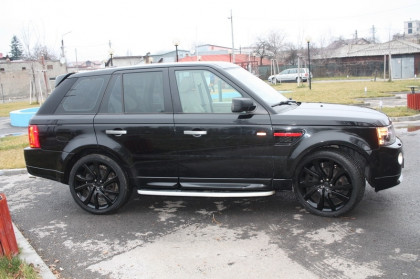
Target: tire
x=329, y=183
x=98, y=184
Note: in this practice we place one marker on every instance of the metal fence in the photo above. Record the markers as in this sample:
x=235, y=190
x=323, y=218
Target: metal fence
x=321, y=69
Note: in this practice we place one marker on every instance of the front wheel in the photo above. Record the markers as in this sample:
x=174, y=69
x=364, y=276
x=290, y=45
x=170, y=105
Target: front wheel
x=329, y=183
x=98, y=184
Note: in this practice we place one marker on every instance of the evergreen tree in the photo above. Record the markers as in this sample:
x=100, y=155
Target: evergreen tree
x=16, y=49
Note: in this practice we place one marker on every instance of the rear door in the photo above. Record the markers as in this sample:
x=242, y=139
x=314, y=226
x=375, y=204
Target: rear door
x=218, y=148
x=136, y=122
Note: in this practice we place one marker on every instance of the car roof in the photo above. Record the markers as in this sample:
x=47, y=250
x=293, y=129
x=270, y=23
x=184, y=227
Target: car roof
x=110, y=71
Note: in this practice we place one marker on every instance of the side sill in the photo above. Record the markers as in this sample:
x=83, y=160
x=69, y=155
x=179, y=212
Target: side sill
x=178, y=193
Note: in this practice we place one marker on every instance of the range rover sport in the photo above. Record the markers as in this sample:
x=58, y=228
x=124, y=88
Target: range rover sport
x=206, y=130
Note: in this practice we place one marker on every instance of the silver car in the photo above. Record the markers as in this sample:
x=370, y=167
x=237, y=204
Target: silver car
x=290, y=75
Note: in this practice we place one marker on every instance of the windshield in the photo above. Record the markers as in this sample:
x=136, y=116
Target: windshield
x=258, y=87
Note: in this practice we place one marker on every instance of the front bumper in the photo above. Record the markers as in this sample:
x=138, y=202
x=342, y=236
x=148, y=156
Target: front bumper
x=385, y=166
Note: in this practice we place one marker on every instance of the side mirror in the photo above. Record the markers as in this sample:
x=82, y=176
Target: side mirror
x=242, y=104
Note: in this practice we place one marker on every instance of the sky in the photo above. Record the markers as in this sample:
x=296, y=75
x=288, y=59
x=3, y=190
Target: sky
x=137, y=27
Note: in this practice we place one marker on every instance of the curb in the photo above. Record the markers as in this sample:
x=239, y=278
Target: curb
x=30, y=256
x=27, y=252
x=9, y=172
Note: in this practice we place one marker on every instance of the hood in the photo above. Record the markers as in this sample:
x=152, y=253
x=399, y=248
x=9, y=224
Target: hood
x=316, y=114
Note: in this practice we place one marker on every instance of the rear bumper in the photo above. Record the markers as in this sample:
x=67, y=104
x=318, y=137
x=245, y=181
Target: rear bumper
x=48, y=163
x=385, y=166
x=46, y=173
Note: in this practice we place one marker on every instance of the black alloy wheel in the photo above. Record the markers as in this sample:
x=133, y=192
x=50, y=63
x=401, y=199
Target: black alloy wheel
x=329, y=183
x=98, y=184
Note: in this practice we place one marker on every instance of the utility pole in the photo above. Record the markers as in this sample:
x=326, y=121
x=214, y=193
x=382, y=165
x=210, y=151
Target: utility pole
x=233, y=45
x=63, y=59
x=373, y=34
x=44, y=70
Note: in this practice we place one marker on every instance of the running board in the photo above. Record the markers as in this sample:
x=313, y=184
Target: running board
x=176, y=193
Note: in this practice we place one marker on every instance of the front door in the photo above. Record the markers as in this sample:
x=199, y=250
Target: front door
x=218, y=148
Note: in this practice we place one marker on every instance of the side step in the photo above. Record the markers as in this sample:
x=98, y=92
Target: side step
x=177, y=193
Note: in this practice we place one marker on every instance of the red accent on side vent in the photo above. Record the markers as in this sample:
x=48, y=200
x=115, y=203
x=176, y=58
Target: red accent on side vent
x=295, y=135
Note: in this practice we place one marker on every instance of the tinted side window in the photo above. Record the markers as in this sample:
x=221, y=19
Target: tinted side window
x=143, y=92
x=83, y=96
x=112, y=102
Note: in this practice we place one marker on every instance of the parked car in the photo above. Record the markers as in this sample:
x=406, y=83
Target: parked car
x=290, y=75
x=206, y=130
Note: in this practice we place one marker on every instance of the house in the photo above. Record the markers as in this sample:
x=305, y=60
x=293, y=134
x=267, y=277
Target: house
x=121, y=61
x=19, y=77
x=169, y=56
x=246, y=61
x=368, y=59
x=84, y=66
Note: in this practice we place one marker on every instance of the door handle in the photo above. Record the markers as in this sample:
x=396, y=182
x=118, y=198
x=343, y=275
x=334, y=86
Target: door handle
x=195, y=133
x=116, y=132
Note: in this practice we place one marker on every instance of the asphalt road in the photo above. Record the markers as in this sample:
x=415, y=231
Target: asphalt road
x=160, y=237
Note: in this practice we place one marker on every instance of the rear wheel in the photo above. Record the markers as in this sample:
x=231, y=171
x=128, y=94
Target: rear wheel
x=329, y=183
x=98, y=184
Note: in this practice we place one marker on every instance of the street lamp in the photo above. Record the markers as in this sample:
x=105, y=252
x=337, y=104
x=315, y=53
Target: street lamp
x=111, y=53
x=233, y=45
x=176, y=44
x=309, y=62
x=63, y=59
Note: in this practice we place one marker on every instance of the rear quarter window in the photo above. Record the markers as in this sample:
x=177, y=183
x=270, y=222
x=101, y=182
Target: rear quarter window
x=84, y=96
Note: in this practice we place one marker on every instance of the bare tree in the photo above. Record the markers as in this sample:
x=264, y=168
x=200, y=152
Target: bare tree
x=261, y=48
x=32, y=47
x=275, y=40
x=291, y=57
x=33, y=51
x=42, y=50
x=271, y=45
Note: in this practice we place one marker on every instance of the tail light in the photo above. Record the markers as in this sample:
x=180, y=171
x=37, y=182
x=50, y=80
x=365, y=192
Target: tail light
x=33, y=133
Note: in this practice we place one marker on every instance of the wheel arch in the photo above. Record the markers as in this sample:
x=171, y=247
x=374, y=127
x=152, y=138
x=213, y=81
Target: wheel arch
x=348, y=143
x=76, y=155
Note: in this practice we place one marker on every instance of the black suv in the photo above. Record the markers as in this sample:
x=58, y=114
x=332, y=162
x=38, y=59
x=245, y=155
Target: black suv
x=206, y=130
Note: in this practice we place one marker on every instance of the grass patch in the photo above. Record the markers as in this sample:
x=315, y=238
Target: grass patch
x=6, y=108
x=344, y=92
x=11, y=152
x=15, y=268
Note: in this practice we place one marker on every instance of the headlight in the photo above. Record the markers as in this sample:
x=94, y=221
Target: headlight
x=386, y=135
